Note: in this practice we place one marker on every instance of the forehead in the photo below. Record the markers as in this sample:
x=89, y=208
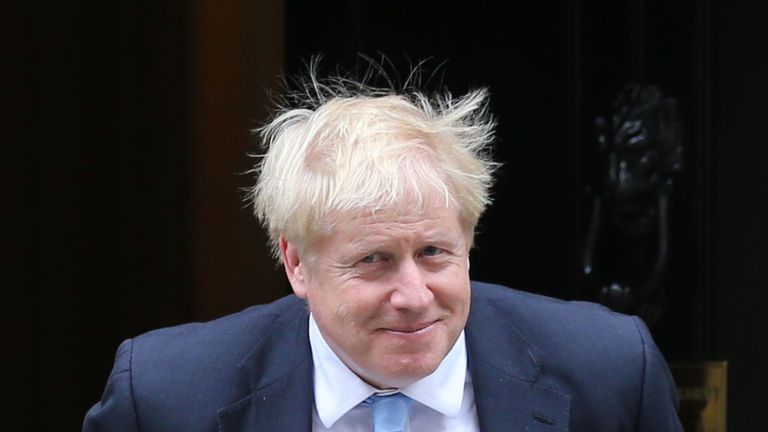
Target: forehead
x=433, y=223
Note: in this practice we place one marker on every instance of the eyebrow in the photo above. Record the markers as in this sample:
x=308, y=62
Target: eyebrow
x=367, y=244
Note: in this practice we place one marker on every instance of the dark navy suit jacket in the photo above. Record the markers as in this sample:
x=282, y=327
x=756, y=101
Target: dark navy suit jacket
x=537, y=364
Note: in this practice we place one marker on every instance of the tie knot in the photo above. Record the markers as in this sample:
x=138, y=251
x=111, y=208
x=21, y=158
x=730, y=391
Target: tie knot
x=389, y=412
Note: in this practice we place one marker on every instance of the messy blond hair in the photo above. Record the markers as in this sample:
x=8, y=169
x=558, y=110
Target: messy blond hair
x=339, y=147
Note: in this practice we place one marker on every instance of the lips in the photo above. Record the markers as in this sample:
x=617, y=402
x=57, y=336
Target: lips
x=410, y=329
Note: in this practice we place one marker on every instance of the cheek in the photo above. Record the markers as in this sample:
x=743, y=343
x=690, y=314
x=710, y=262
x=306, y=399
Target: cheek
x=346, y=310
x=358, y=310
x=453, y=287
x=345, y=316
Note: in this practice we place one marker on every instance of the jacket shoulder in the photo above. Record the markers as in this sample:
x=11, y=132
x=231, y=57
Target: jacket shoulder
x=221, y=335
x=573, y=342
x=549, y=322
x=605, y=361
x=179, y=377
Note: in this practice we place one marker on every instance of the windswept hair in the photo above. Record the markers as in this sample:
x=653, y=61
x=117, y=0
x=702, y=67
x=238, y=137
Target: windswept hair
x=338, y=148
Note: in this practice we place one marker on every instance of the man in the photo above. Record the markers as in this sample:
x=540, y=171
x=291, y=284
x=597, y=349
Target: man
x=371, y=198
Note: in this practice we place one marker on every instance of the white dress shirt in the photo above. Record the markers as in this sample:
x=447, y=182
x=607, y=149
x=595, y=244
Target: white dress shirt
x=443, y=400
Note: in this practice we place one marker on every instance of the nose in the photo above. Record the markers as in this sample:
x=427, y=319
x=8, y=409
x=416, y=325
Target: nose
x=411, y=291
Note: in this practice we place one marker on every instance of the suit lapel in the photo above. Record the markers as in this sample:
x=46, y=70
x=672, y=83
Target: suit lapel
x=278, y=373
x=505, y=370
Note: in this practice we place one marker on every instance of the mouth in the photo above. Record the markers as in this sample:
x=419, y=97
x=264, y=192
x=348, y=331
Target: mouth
x=411, y=329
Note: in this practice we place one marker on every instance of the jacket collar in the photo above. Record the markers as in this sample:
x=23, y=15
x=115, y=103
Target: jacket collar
x=505, y=372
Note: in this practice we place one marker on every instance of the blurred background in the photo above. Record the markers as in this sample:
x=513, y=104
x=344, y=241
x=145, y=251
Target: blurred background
x=127, y=127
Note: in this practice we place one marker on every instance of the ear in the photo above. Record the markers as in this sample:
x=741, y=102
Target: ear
x=295, y=268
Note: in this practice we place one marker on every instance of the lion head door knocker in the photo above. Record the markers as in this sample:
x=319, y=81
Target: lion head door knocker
x=639, y=158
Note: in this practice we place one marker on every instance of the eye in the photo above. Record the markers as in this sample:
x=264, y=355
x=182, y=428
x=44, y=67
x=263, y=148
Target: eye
x=372, y=258
x=431, y=251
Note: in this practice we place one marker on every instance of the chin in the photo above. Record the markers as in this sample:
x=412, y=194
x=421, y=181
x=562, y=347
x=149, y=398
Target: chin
x=401, y=372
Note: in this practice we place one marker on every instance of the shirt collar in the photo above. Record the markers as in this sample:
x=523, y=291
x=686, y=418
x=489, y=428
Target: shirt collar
x=442, y=390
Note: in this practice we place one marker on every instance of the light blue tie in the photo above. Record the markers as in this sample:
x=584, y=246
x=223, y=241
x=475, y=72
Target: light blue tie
x=389, y=412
